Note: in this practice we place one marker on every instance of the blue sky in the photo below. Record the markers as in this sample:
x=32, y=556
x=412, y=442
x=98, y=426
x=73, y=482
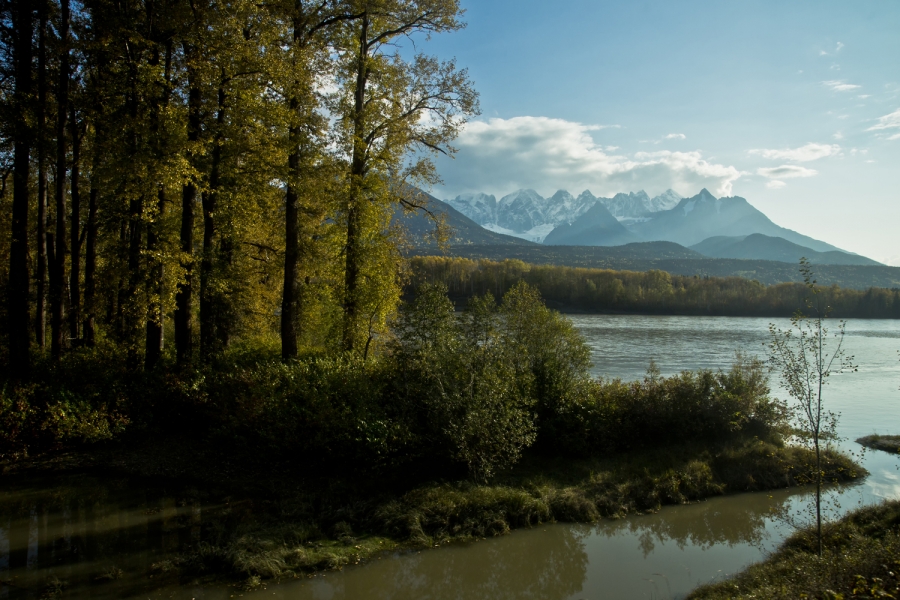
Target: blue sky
x=792, y=105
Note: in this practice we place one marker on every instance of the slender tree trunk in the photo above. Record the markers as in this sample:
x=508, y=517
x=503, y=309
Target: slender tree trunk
x=19, y=351
x=154, y=340
x=90, y=259
x=291, y=253
x=58, y=272
x=40, y=316
x=184, y=296
x=290, y=289
x=131, y=313
x=75, y=226
x=358, y=168
x=210, y=302
x=155, y=313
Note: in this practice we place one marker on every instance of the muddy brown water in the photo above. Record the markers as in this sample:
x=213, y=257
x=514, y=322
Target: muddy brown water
x=84, y=537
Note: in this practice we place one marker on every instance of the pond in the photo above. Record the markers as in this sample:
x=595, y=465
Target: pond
x=80, y=530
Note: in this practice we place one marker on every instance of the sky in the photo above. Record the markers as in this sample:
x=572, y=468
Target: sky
x=794, y=106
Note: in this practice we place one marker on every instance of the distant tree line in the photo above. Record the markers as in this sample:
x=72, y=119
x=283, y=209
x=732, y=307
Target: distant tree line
x=649, y=292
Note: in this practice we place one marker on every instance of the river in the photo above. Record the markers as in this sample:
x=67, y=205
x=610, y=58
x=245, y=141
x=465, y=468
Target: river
x=83, y=529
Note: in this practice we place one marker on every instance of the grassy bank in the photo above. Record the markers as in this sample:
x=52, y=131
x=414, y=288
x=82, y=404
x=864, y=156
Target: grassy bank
x=861, y=560
x=887, y=443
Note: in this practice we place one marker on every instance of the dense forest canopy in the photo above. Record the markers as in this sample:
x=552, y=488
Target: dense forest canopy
x=210, y=170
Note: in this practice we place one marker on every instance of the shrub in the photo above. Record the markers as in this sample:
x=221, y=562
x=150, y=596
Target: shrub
x=611, y=416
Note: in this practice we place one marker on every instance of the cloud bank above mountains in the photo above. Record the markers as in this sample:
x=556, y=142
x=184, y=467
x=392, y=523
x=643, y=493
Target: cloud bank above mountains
x=498, y=155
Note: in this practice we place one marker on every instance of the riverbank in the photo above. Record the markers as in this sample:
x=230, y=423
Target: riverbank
x=861, y=560
x=269, y=519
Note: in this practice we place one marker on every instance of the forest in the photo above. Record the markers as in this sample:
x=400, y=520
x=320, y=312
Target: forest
x=177, y=175
x=585, y=289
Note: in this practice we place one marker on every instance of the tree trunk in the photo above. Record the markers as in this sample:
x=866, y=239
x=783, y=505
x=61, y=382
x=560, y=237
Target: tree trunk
x=290, y=289
x=19, y=351
x=354, y=206
x=75, y=243
x=90, y=260
x=40, y=316
x=58, y=270
x=155, y=339
x=154, y=342
x=289, y=300
x=184, y=296
x=210, y=301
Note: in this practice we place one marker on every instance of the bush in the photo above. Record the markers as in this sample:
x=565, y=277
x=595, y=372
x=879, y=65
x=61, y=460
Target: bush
x=613, y=416
x=458, y=379
x=82, y=399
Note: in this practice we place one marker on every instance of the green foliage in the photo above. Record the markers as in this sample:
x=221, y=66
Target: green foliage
x=83, y=399
x=458, y=377
x=612, y=416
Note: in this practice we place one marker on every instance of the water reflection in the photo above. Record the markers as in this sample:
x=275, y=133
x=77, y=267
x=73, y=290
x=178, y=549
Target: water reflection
x=552, y=569
x=660, y=555
x=100, y=540
x=90, y=538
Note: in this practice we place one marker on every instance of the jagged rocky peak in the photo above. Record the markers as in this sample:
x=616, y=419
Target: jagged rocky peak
x=521, y=211
x=633, y=205
x=665, y=201
x=562, y=207
x=586, y=196
x=481, y=208
x=561, y=196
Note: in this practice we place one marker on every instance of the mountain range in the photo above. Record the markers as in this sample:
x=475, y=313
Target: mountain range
x=768, y=259
x=697, y=222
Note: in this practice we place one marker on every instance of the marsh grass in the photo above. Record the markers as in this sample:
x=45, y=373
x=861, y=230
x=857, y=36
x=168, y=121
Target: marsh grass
x=861, y=560
x=887, y=443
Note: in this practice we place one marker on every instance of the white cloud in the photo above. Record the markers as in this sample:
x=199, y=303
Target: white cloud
x=500, y=155
x=896, y=136
x=840, y=86
x=838, y=136
x=786, y=172
x=839, y=46
x=864, y=96
x=676, y=136
x=805, y=153
x=775, y=184
x=889, y=121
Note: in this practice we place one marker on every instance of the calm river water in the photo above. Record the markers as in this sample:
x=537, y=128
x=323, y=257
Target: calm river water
x=79, y=531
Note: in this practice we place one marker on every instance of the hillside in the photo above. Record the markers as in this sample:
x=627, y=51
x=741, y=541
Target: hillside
x=463, y=230
x=764, y=247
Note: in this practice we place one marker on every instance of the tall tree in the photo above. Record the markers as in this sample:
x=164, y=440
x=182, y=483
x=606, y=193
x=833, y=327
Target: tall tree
x=384, y=118
x=40, y=320
x=58, y=252
x=184, y=295
x=17, y=313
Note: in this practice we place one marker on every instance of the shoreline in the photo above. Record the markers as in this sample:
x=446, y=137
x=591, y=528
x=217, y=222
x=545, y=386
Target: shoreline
x=362, y=522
